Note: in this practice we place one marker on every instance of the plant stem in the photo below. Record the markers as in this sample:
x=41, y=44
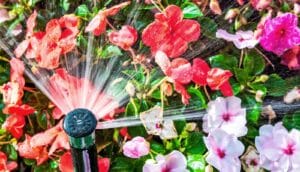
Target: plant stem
x=4, y=59
x=156, y=86
x=206, y=93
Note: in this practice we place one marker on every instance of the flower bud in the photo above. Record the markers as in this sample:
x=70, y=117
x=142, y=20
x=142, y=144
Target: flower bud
x=232, y=13
x=215, y=7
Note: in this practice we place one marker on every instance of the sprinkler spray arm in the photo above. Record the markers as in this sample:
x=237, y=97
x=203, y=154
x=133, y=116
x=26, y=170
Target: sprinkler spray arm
x=80, y=125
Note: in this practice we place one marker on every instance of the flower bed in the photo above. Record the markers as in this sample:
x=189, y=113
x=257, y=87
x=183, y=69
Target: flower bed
x=231, y=67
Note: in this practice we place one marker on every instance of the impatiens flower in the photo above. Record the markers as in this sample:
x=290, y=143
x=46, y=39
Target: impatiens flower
x=291, y=58
x=14, y=125
x=25, y=150
x=260, y=4
x=16, y=71
x=241, y=39
x=292, y=95
x=20, y=110
x=6, y=166
x=279, y=149
x=98, y=24
x=179, y=72
x=12, y=93
x=124, y=133
x=173, y=162
x=280, y=33
x=136, y=148
x=65, y=163
x=200, y=70
x=54, y=136
x=251, y=160
x=124, y=38
x=223, y=151
x=215, y=7
x=218, y=79
x=226, y=114
x=170, y=33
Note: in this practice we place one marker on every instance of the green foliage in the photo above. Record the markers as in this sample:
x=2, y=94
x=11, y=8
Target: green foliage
x=224, y=61
x=208, y=27
x=254, y=63
x=196, y=163
x=191, y=10
x=275, y=85
x=82, y=11
x=291, y=121
x=194, y=144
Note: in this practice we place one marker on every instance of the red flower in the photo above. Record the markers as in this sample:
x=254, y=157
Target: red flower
x=16, y=71
x=57, y=113
x=98, y=24
x=14, y=125
x=20, y=110
x=218, y=79
x=200, y=70
x=170, y=33
x=179, y=71
x=65, y=163
x=124, y=38
x=40, y=153
x=54, y=136
x=20, y=50
x=6, y=166
x=291, y=58
x=124, y=133
x=12, y=93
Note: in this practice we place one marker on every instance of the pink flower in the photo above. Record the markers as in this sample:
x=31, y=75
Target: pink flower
x=218, y=79
x=291, y=58
x=279, y=149
x=124, y=38
x=12, y=93
x=136, y=148
x=6, y=166
x=242, y=39
x=280, y=33
x=4, y=15
x=16, y=71
x=170, y=33
x=223, y=151
x=173, y=162
x=260, y=4
x=226, y=114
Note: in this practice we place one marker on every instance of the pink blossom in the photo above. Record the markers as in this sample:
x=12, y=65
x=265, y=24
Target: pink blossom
x=280, y=34
x=136, y=148
x=173, y=162
x=4, y=15
x=291, y=58
x=279, y=149
x=260, y=4
x=223, y=151
x=242, y=39
x=124, y=38
x=226, y=114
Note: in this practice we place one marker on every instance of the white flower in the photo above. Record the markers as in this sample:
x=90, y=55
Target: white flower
x=241, y=39
x=279, y=149
x=223, y=151
x=226, y=114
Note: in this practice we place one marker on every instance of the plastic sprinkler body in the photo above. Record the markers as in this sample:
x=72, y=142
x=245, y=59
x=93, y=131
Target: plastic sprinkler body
x=80, y=125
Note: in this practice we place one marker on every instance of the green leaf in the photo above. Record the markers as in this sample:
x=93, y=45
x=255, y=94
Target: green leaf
x=42, y=120
x=198, y=99
x=137, y=131
x=252, y=132
x=109, y=52
x=208, y=27
x=122, y=164
x=224, y=61
x=291, y=121
x=65, y=4
x=241, y=75
x=29, y=162
x=191, y=10
x=194, y=144
x=132, y=108
x=275, y=86
x=82, y=11
x=196, y=163
x=10, y=152
x=253, y=108
x=254, y=63
x=157, y=147
x=180, y=125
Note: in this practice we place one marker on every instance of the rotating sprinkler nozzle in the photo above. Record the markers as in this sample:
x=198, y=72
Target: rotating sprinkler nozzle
x=80, y=125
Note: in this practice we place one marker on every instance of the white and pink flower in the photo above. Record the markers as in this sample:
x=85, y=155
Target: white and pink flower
x=224, y=151
x=226, y=114
x=173, y=162
x=279, y=149
x=136, y=148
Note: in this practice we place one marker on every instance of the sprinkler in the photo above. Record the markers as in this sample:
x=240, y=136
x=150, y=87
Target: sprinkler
x=80, y=125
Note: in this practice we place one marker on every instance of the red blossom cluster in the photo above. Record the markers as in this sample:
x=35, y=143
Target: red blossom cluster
x=66, y=165
x=12, y=98
x=98, y=24
x=181, y=72
x=5, y=165
x=170, y=33
x=47, y=46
